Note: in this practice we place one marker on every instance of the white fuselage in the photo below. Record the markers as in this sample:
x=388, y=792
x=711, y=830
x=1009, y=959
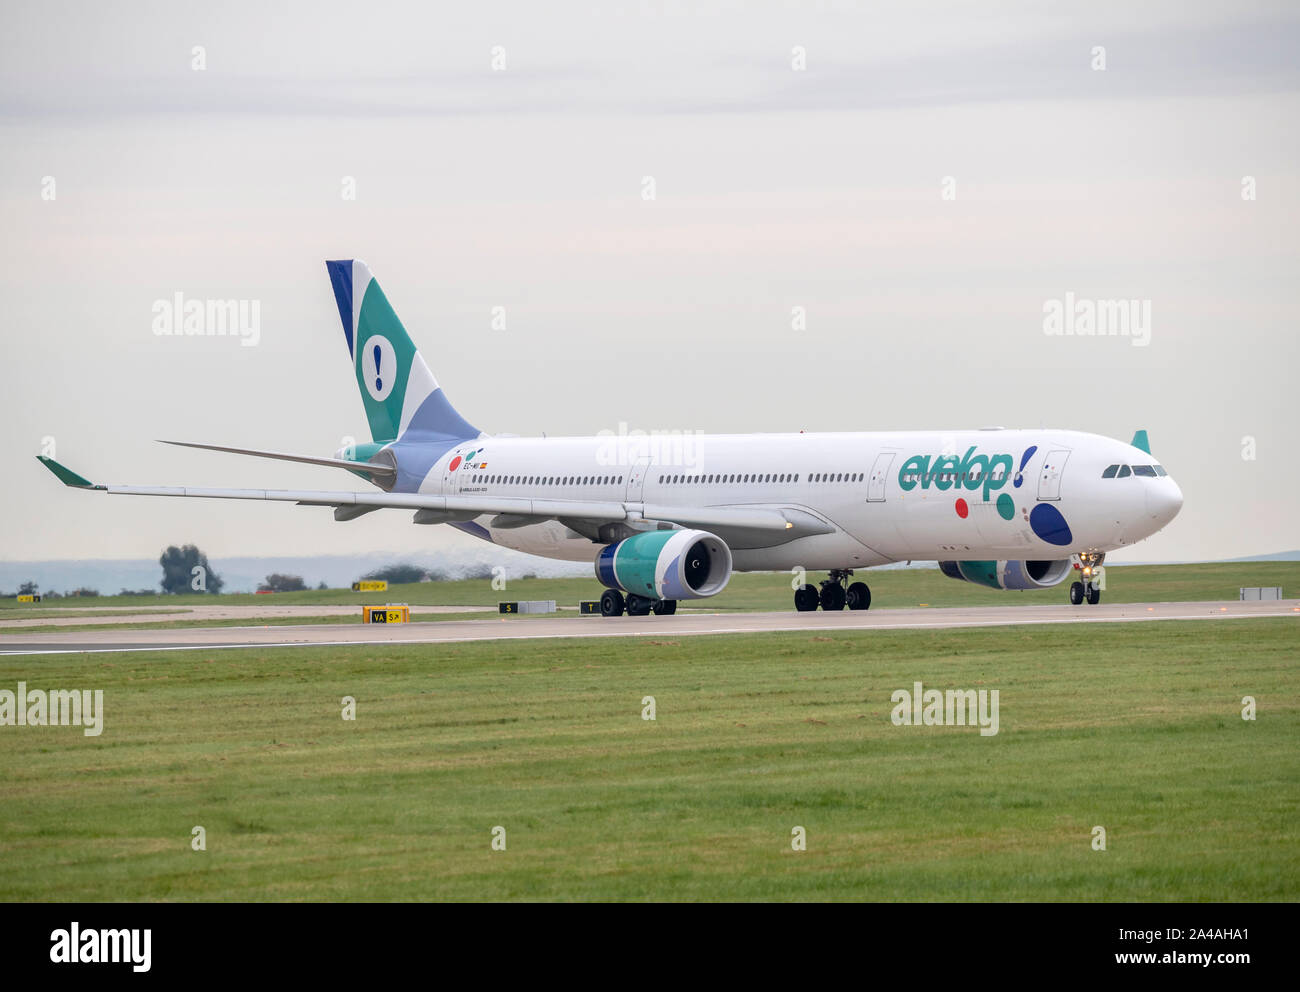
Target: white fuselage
x=887, y=496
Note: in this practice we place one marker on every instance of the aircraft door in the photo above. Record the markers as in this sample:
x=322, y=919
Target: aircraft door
x=879, y=476
x=636, y=479
x=1049, y=479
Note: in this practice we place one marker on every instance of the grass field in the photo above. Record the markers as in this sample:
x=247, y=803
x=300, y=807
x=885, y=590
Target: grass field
x=1133, y=727
x=895, y=587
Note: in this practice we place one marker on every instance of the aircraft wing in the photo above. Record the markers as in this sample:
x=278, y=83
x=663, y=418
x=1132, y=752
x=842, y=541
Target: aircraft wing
x=438, y=509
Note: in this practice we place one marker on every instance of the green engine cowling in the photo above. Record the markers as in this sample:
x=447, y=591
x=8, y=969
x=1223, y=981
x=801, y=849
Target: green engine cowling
x=666, y=564
x=1009, y=574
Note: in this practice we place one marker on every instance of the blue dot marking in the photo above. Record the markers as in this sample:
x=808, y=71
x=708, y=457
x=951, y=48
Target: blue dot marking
x=1046, y=521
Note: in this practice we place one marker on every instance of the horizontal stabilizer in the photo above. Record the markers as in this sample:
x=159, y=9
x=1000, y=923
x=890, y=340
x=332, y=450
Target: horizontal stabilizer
x=373, y=468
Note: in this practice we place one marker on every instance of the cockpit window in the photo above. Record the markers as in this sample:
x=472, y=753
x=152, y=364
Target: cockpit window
x=1124, y=472
x=1110, y=472
x=1149, y=471
x=1160, y=471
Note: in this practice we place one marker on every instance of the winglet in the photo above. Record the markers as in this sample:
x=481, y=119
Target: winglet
x=66, y=475
x=1140, y=442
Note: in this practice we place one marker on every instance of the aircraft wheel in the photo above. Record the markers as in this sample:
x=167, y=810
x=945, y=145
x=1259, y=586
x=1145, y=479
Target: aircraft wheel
x=859, y=596
x=611, y=603
x=664, y=607
x=637, y=606
x=1076, y=593
x=805, y=599
x=1094, y=596
x=832, y=596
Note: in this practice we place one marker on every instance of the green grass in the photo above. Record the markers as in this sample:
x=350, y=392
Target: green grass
x=1134, y=727
x=772, y=591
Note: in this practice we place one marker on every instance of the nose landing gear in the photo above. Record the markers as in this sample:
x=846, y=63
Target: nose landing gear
x=833, y=594
x=1089, y=589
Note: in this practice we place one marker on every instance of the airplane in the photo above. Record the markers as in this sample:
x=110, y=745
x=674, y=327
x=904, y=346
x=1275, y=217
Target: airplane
x=665, y=518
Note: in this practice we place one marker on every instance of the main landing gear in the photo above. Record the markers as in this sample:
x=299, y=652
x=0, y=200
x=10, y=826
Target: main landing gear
x=1089, y=589
x=833, y=595
x=612, y=604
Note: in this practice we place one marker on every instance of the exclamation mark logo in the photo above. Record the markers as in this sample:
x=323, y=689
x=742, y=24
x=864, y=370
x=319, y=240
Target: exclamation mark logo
x=378, y=382
x=1024, y=460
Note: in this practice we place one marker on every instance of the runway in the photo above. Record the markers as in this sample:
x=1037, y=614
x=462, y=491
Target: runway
x=680, y=625
x=83, y=616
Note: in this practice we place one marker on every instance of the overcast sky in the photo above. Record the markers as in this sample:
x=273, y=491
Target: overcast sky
x=522, y=188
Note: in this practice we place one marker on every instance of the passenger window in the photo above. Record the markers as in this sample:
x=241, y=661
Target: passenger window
x=1110, y=472
x=1124, y=472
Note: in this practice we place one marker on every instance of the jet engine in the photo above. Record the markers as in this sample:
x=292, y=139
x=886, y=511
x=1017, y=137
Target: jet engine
x=1009, y=574
x=666, y=564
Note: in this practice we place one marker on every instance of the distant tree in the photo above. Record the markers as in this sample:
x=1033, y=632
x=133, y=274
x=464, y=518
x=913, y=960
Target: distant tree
x=275, y=582
x=138, y=592
x=178, y=566
x=322, y=585
x=83, y=591
x=398, y=573
x=28, y=589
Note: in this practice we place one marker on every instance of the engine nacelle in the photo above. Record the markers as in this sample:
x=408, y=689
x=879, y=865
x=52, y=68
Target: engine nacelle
x=666, y=564
x=1009, y=574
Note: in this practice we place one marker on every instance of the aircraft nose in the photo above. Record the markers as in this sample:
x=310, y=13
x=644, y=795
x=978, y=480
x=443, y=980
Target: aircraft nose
x=1164, y=500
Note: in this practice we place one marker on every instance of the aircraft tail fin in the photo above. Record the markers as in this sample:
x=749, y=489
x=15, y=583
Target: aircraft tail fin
x=400, y=394
x=1140, y=442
